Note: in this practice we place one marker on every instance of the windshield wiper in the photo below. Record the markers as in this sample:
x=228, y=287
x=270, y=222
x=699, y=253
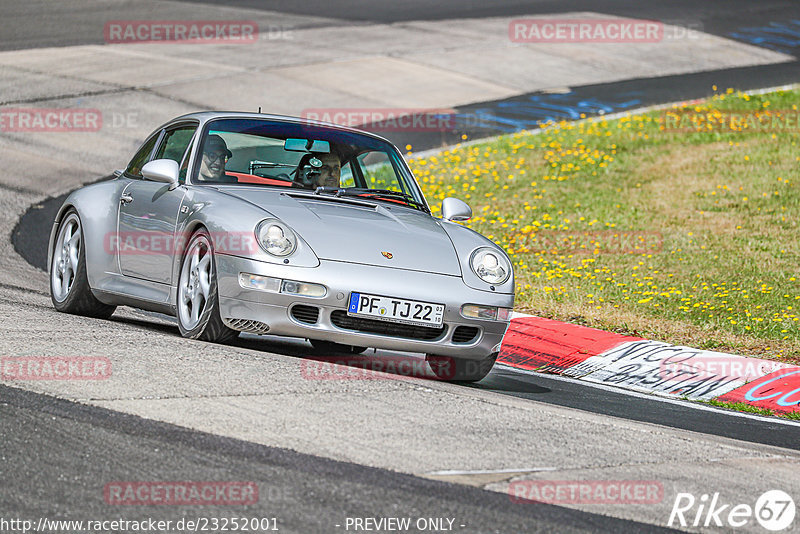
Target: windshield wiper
x=385, y=194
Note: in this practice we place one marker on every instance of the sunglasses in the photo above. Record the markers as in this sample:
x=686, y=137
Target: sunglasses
x=216, y=156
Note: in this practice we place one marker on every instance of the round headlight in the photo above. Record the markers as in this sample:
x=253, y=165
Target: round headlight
x=276, y=238
x=490, y=265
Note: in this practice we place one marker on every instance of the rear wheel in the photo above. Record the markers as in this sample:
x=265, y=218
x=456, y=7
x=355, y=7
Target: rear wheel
x=460, y=369
x=329, y=347
x=198, y=303
x=69, y=283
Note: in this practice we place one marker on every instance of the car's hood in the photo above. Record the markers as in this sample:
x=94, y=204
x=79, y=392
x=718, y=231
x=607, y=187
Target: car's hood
x=360, y=232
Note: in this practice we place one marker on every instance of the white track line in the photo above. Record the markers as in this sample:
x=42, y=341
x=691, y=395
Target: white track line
x=450, y=472
x=658, y=397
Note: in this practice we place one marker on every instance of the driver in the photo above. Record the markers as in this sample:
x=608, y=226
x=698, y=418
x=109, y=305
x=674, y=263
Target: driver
x=215, y=156
x=331, y=170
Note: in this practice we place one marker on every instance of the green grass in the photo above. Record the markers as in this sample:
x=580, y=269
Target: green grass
x=740, y=407
x=690, y=237
x=749, y=408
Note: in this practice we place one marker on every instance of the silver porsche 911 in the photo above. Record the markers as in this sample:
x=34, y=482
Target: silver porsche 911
x=236, y=222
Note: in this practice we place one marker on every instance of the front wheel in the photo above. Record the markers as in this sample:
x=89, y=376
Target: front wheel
x=460, y=369
x=69, y=283
x=198, y=303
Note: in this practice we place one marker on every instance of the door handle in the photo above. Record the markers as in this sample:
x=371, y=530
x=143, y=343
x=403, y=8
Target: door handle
x=125, y=198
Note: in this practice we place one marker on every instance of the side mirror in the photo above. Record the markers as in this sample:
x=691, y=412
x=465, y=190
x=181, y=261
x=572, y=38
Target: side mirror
x=162, y=170
x=454, y=209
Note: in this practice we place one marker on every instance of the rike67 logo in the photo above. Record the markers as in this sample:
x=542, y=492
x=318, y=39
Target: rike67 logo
x=774, y=510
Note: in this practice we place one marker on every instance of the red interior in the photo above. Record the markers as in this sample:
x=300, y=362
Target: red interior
x=253, y=179
x=395, y=200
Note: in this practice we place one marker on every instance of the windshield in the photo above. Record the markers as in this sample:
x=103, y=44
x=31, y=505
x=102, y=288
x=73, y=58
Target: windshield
x=322, y=161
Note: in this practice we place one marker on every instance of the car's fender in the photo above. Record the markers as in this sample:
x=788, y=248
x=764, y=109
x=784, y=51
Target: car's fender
x=96, y=205
x=466, y=241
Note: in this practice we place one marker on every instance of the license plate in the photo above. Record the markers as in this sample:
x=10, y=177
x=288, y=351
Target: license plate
x=395, y=310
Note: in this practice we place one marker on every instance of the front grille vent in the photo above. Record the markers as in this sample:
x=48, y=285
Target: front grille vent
x=306, y=314
x=371, y=326
x=248, y=325
x=465, y=334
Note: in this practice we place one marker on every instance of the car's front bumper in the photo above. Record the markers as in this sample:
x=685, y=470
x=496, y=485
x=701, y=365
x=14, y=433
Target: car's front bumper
x=275, y=313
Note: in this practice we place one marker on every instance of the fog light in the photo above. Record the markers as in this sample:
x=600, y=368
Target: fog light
x=303, y=288
x=260, y=283
x=474, y=311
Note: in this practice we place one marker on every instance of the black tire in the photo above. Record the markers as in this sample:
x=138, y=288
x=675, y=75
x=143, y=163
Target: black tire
x=209, y=326
x=329, y=347
x=78, y=299
x=460, y=369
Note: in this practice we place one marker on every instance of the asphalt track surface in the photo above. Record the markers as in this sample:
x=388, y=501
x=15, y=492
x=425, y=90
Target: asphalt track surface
x=84, y=447
x=573, y=394
x=73, y=22
x=58, y=456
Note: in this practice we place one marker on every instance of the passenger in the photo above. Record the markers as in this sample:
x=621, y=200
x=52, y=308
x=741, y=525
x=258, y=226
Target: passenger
x=215, y=156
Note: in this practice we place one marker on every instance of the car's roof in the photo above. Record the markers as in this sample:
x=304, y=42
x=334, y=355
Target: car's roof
x=204, y=116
